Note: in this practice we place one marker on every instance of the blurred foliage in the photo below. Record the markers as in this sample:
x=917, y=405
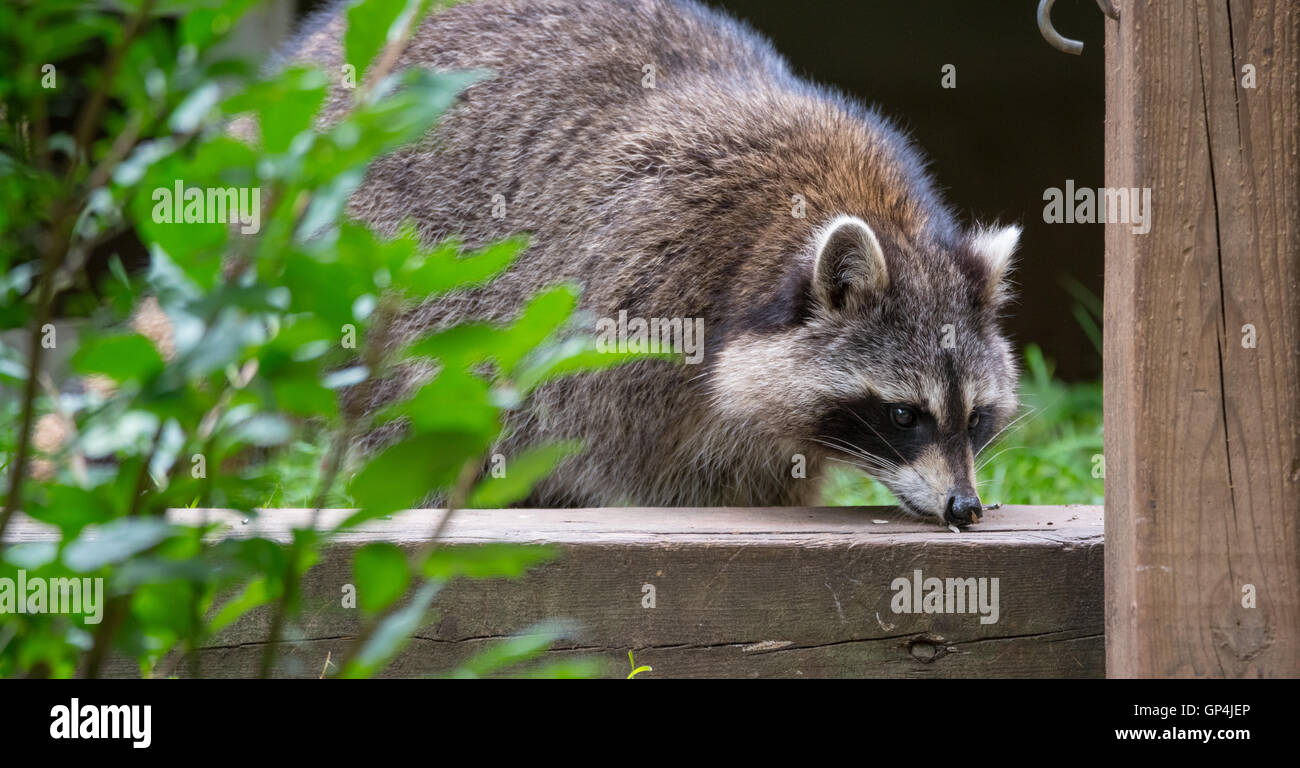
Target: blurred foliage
x=237, y=403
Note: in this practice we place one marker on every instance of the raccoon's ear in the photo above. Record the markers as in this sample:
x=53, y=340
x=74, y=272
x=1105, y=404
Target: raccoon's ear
x=993, y=248
x=849, y=264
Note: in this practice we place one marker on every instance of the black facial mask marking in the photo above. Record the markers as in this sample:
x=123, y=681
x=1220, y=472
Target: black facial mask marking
x=865, y=425
x=984, y=431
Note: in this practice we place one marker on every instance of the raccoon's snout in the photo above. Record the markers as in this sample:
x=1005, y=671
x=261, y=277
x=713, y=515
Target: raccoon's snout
x=963, y=508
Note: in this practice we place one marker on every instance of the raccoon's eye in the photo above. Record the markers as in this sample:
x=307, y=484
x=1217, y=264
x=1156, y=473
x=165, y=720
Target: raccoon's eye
x=974, y=420
x=902, y=416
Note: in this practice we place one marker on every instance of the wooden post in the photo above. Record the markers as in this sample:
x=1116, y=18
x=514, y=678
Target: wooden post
x=1202, y=349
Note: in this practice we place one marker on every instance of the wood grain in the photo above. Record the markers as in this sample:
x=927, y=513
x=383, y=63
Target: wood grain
x=766, y=592
x=1202, y=437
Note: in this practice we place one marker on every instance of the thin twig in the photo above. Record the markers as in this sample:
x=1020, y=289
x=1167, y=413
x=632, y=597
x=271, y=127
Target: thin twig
x=387, y=60
x=115, y=612
x=44, y=313
x=464, y=481
x=89, y=117
x=61, y=226
x=384, y=316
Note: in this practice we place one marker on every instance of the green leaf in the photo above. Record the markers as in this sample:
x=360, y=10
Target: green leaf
x=113, y=542
x=521, y=474
x=372, y=24
x=382, y=575
x=444, y=269
x=565, y=669
x=325, y=289
x=145, y=569
x=255, y=594
x=454, y=401
x=12, y=367
x=486, y=561
x=70, y=509
x=406, y=472
x=459, y=346
x=261, y=429
x=375, y=129
x=121, y=357
x=525, y=646
x=329, y=201
x=466, y=345
x=305, y=395
x=197, y=104
x=572, y=356
x=169, y=605
x=171, y=284
x=541, y=317
x=183, y=205
x=285, y=106
x=32, y=554
x=109, y=432
x=392, y=634
x=201, y=27
x=345, y=377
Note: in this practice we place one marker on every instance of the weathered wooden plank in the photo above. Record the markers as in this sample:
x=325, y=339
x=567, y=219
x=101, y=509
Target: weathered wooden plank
x=738, y=592
x=1202, y=348
x=1066, y=654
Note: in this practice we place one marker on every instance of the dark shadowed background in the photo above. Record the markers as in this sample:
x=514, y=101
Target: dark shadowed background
x=1024, y=117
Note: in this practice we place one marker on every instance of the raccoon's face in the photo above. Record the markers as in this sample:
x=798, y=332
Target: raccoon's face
x=895, y=364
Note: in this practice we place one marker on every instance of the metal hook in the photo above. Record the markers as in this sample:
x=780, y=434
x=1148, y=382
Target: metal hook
x=1050, y=34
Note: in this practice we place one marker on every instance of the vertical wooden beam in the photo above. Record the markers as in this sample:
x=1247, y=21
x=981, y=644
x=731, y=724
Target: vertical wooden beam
x=1202, y=429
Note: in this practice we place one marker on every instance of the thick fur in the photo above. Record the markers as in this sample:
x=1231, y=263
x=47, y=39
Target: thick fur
x=680, y=201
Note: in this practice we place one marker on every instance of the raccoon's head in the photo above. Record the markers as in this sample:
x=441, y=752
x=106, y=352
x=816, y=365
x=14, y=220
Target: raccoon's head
x=890, y=359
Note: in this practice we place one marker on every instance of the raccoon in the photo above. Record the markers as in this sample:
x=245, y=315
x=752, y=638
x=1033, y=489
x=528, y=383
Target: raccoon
x=666, y=158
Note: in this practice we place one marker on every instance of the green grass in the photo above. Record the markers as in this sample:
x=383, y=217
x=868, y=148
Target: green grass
x=1046, y=458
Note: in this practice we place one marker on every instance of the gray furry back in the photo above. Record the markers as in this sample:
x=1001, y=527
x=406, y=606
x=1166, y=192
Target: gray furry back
x=652, y=150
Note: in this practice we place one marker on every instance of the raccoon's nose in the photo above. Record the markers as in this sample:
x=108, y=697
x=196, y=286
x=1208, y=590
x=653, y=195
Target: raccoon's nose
x=962, y=508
